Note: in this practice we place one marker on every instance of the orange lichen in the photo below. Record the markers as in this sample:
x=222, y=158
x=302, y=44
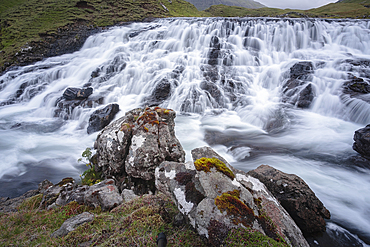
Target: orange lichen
x=205, y=164
x=126, y=127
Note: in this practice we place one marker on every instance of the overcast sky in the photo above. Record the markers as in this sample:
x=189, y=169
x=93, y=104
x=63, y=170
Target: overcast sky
x=295, y=4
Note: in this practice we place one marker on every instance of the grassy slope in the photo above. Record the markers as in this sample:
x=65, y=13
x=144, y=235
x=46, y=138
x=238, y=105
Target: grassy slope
x=202, y=5
x=136, y=223
x=22, y=21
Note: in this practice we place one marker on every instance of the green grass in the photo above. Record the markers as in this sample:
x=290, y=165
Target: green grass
x=25, y=21
x=232, y=11
x=136, y=223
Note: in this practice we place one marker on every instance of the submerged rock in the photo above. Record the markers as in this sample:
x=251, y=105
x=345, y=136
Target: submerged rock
x=297, y=90
x=72, y=93
x=215, y=198
x=296, y=197
x=102, y=117
x=362, y=141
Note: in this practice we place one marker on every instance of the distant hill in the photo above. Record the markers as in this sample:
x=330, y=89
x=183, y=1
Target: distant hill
x=204, y=4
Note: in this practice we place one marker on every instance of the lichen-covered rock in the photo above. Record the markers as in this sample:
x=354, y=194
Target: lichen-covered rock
x=296, y=197
x=134, y=145
x=51, y=194
x=215, y=198
x=72, y=223
x=104, y=194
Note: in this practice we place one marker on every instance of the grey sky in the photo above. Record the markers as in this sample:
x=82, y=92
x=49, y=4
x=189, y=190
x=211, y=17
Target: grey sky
x=295, y=4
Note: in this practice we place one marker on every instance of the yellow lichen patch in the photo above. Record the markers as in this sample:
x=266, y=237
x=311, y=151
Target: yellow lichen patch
x=205, y=164
x=234, y=207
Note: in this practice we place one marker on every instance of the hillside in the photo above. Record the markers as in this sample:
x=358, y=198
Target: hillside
x=23, y=22
x=204, y=4
x=357, y=9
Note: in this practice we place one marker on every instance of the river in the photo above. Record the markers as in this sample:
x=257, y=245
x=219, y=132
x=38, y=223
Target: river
x=225, y=79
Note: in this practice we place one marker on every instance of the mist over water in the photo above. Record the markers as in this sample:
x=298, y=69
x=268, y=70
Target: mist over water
x=226, y=80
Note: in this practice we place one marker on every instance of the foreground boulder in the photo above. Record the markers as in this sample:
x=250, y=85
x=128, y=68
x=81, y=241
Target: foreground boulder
x=362, y=141
x=215, y=198
x=296, y=197
x=130, y=148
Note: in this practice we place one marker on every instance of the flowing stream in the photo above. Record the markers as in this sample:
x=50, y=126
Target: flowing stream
x=225, y=78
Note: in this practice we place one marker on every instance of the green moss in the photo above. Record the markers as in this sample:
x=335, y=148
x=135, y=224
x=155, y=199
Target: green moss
x=250, y=238
x=205, y=164
x=234, y=207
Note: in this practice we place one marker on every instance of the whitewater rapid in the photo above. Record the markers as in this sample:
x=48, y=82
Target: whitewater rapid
x=231, y=101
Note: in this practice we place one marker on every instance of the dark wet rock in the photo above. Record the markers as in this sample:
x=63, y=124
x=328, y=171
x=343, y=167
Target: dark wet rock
x=65, y=108
x=362, y=141
x=296, y=197
x=214, y=52
x=134, y=34
x=206, y=194
x=356, y=86
x=213, y=91
x=305, y=97
x=161, y=92
x=298, y=90
x=210, y=73
x=131, y=147
x=177, y=72
x=301, y=70
x=72, y=223
x=73, y=93
x=102, y=117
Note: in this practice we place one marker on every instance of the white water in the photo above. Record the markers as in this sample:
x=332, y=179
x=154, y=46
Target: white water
x=314, y=143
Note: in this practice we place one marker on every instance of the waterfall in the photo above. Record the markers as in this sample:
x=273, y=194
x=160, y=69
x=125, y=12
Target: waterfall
x=258, y=90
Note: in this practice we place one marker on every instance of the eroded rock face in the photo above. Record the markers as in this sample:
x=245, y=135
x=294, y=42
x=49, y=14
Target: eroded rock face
x=362, y=141
x=215, y=197
x=134, y=145
x=296, y=197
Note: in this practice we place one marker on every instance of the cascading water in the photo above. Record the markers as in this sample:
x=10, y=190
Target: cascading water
x=234, y=86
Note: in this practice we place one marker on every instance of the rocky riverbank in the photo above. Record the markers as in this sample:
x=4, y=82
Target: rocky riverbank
x=142, y=163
